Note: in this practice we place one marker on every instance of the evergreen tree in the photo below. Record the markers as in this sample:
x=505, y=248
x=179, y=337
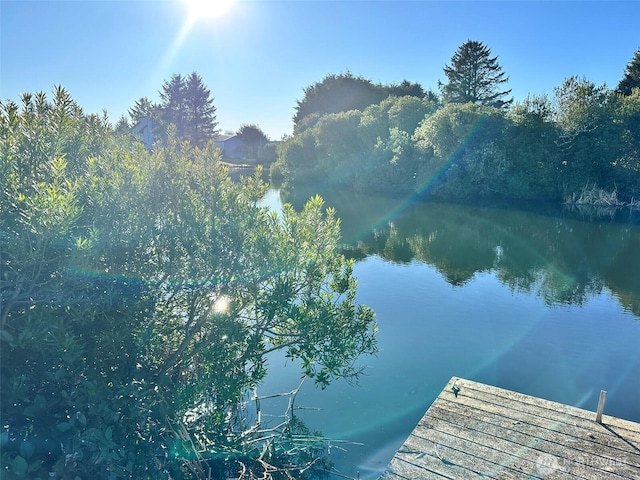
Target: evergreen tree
x=143, y=108
x=200, y=122
x=254, y=138
x=186, y=103
x=475, y=76
x=122, y=126
x=631, y=77
x=172, y=104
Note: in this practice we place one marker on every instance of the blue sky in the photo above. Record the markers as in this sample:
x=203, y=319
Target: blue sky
x=259, y=56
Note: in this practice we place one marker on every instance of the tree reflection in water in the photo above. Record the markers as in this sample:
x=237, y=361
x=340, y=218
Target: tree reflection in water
x=563, y=256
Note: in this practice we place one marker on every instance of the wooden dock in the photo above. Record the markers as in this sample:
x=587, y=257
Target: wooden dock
x=489, y=432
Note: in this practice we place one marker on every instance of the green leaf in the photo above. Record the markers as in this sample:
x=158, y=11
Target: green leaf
x=108, y=433
x=64, y=426
x=40, y=401
x=81, y=418
x=35, y=466
x=26, y=449
x=32, y=411
x=19, y=466
x=7, y=337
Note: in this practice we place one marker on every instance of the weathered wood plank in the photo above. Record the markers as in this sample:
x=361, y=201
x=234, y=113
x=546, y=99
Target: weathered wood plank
x=552, y=407
x=544, y=414
x=488, y=432
x=588, y=438
x=524, y=450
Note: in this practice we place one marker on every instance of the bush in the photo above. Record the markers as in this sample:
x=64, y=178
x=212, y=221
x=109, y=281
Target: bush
x=141, y=292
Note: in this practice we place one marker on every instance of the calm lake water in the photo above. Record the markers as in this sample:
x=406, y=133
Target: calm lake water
x=543, y=303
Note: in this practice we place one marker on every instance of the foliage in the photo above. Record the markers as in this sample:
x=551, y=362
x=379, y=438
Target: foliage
x=464, y=151
x=529, y=251
x=185, y=103
x=542, y=148
x=589, y=139
x=369, y=149
x=200, y=115
x=338, y=93
x=406, y=113
x=144, y=108
x=141, y=292
x=406, y=88
x=627, y=163
x=344, y=92
x=631, y=78
x=254, y=138
x=297, y=159
x=173, y=104
x=475, y=76
x=535, y=163
x=338, y=150
x=269, y=153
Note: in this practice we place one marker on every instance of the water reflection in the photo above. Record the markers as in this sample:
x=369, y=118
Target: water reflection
x=555, y=254
x=528, y=300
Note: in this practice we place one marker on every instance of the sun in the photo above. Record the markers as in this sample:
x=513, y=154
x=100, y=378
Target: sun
x=207, y=9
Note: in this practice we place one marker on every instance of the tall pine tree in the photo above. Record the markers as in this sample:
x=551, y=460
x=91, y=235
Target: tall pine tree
x=631, y=77
x=186, y=102
x=172, y=103
x=143, y=108
x=200, y=121
x=475, y=76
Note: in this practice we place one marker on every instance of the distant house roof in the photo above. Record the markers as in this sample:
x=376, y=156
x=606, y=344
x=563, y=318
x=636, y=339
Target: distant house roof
x=143, y=130
x=232, y=146
x=222, y=138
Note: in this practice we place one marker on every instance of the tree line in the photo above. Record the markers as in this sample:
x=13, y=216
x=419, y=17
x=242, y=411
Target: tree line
x=187, y=105
x=140, y=294
x=471, y=140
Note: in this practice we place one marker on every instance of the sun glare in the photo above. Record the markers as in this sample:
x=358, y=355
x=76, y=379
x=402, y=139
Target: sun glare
x=207, y=9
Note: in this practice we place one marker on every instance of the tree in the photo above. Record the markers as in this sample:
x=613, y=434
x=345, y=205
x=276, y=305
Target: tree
x=254, y=138
x=338, y=93
x=406, y=88
x=463, y=145
x=628, y=119
x=475, y=76
x=200, y=124
x=172, y=103
x=406, y=113
x=141, y=292
x=589, y=139
x=631, y=77
x=122, y=125
x=532, y=151
x=187, y=104
x=143, y=108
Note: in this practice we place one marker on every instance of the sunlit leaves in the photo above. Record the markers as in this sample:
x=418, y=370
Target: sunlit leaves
x=142, y=291
x=463, y=145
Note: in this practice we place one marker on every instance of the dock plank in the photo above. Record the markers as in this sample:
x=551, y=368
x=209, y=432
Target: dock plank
x=488, y=432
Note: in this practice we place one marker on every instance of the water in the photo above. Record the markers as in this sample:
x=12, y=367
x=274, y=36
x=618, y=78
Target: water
x=544, y=304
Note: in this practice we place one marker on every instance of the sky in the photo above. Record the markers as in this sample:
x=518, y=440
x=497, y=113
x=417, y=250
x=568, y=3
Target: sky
x=257, y=56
